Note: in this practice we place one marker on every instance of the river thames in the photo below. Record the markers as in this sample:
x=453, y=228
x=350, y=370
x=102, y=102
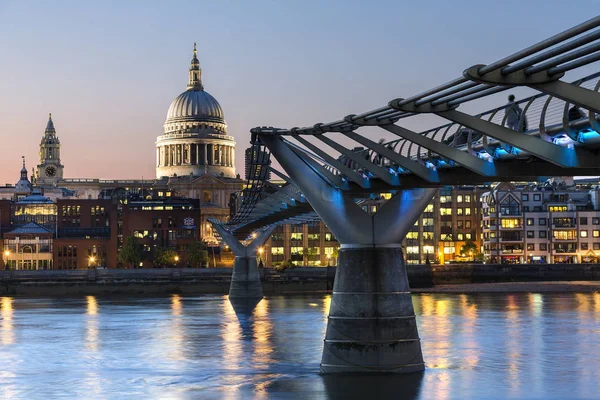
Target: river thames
x=476, y=346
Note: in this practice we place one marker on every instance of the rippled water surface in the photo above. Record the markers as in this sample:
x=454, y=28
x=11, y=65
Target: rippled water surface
x=178, y=347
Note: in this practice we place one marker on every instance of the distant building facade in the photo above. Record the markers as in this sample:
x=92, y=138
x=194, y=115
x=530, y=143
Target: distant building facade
x=555, y=222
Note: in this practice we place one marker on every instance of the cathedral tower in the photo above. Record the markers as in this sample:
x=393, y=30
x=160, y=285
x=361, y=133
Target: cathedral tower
x=49, y=170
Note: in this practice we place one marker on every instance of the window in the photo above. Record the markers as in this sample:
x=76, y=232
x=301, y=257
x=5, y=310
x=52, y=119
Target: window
x=467, y=224
x=509, y=206
x=412, y=249
x=467, y=198
x=445, y=211
x=429, y=208
x=459, y=198
x=542, y=221
x=543, y=247
x=530, y=234
x=565, y=235
x=596, y=246
x=584, y=246
x=530, y=222
x=459, y=211
x=510, y=223
x=595, y=221
x=531, y=247
x=595, y=234
x=459, y=236
x=445, y=199
x=412, y=235
x=537, y=197
x=557, y=208
x=329, y=237
x=459, y=224
x=542, y=234
x=296, y=236
x=467, y=211
x=583, y=234
x=468, y=236
x=156, y=223
x=583, y=221
x=297, y=250
x=525, y=197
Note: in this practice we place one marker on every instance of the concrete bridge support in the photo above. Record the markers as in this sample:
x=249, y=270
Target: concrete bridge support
x=245, y=280
x=371, y=325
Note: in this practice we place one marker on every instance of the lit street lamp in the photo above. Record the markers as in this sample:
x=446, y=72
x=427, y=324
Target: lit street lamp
x=6, y=254
x=260, y=252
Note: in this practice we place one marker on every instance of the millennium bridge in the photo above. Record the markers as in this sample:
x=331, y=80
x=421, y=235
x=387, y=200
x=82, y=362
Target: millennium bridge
x=371, y=325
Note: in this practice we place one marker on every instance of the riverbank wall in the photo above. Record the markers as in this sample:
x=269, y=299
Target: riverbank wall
x=296, y=280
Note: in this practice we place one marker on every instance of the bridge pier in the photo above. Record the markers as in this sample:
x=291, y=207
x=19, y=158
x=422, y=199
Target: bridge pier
x=371, y=325
x=245, y=279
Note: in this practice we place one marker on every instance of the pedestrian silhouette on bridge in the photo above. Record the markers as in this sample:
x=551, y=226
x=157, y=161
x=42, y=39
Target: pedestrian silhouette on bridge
x=513, y=114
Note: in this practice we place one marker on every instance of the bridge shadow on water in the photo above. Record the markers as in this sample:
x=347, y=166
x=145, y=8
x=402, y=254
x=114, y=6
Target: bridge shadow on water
x=388, y=386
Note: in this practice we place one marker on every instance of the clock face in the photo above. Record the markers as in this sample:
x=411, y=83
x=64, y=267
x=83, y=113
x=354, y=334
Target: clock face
x=50, y=171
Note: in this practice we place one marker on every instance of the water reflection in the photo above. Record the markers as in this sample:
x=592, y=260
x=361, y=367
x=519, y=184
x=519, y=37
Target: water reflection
x=6, y=308
x=176, y=330
x=231, y=346
x=401, y=387
x=92, y=380
x=91, y=329
x=475, y=346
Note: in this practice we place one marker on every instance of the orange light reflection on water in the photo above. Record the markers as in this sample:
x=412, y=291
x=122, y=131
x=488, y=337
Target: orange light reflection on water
x=6, y=324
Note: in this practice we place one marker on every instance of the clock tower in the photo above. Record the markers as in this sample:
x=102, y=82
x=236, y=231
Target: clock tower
x=49, y=170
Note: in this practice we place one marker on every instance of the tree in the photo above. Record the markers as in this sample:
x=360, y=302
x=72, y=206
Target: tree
x=311, y=252
x=469, y=248
x=165, y=257
x=196, y=254
x=130, y=252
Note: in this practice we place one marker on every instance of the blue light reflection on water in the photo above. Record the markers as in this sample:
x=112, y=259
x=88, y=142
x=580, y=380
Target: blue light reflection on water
x=180, y=347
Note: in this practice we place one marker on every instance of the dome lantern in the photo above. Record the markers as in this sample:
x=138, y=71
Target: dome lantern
x=195, y=82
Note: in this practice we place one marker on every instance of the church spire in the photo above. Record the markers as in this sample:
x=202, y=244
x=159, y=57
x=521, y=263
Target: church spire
x=50, y=125
x=24, y=169
x=195, y=81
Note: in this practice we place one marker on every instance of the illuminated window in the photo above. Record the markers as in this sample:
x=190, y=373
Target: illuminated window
x=276, y=250
x=412, y=235
x=467, y=211
x=429, y=208
x=511, y=223
x=445, y=211
x=557, y=208
x=467, y=198
x=565, y=235
x=583, y=234
x=412, y=249
x=459, y=198
x=296, y=236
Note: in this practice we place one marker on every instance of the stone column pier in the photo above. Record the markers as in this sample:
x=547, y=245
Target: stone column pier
x=245, y=280
x=371, y=325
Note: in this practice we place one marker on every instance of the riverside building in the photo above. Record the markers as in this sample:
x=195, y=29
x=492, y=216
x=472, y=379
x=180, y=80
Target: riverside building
x=555, y=222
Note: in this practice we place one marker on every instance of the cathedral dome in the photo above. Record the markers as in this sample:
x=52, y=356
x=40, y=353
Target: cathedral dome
x=195, y=141
x=195, y=105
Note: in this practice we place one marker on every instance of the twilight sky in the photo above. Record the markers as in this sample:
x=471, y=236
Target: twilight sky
x=107, y=71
